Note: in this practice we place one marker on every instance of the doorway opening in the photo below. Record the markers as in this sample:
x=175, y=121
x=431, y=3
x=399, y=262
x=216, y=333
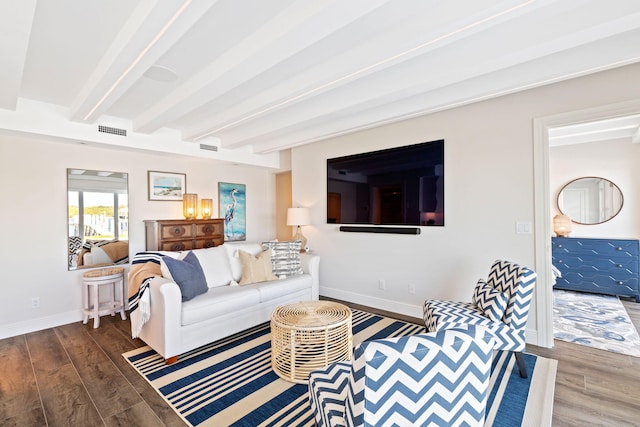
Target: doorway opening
x=543, y=128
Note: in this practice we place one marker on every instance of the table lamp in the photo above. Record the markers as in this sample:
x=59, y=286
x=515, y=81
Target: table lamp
x=297, y=217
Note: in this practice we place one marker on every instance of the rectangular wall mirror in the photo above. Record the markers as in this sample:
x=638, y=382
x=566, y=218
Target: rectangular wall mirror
x=98, y=218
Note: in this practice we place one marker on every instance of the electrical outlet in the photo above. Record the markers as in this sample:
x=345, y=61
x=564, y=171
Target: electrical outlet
x=412, y=288
x=382, y=284
x=35, y=302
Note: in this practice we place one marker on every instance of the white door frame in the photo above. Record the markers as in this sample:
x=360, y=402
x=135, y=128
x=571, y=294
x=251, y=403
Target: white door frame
x=542, y=203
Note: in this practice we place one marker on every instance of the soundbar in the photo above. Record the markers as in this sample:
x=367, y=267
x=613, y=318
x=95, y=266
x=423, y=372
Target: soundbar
x=388, y=230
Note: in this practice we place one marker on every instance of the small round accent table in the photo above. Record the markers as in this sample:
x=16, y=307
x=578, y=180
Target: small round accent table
x=309, y=335
x=113, y=278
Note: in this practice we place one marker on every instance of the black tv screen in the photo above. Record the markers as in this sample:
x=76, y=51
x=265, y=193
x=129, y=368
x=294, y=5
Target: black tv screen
x=396, y=186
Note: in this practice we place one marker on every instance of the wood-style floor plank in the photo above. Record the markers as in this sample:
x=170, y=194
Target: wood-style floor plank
x=99, y=374
x=19, y=397
x=65, y=400
x=139, y=415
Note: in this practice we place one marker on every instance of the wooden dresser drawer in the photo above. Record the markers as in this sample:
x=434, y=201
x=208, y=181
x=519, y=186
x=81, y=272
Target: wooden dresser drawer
x=209, y=229
x=178, y=245
x=183, y=235
x=175, y=231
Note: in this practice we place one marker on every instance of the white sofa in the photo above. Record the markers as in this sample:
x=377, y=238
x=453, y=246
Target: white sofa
x=175, y=327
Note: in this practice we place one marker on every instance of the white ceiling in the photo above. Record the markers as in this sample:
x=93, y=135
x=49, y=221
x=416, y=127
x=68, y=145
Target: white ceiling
x=253, y=77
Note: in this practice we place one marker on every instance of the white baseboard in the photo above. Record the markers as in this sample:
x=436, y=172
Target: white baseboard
x=531, y=337
x=380, y=303
x=40, y=323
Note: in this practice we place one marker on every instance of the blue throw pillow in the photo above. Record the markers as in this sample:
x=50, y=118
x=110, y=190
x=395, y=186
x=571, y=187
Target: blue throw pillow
x=188, y=275
x=490, y=301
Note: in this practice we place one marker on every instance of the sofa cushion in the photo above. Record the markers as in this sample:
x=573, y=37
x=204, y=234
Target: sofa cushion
x=233, y=250
x=218, y=302
x=490, y=301
x=186, y=273
x=215, y=264
x=279, y=288
x=285, y=257
x=256, y=268
x=96, y=256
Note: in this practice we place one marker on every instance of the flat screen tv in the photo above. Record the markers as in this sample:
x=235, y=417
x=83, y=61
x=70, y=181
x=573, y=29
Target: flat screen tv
x=396, y=186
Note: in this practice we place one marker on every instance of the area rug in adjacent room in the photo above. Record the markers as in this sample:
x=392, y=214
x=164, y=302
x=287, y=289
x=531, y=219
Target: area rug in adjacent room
x=598, y=321
x=230, y=382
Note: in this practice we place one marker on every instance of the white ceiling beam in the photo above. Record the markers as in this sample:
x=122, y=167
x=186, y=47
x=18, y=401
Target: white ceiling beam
x=16, y=20
x=284, y=35
x=148, y=34
x=391, y=94
x=338, y=121
x=416, y=36
x=48, y=121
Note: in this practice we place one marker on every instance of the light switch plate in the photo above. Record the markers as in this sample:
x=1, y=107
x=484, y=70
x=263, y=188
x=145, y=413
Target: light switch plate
x=524, y=227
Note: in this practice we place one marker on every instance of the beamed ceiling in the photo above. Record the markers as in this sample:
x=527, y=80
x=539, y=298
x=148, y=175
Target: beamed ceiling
x=249, y=78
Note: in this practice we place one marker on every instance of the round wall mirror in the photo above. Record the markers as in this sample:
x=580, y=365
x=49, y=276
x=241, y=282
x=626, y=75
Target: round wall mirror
x=590, y=200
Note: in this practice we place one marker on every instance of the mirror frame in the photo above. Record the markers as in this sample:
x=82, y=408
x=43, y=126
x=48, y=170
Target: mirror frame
x=613, y=215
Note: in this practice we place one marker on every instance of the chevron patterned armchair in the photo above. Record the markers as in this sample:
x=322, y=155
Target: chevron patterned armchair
x=501, y=304
x=439, y=378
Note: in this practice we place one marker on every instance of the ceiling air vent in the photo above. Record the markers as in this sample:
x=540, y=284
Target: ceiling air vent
x=112, y=131
x=208, y=147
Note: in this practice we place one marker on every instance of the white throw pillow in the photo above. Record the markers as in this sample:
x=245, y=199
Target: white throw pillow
x=215, y=264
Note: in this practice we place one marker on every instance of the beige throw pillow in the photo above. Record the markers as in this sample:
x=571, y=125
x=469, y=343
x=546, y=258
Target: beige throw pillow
x=256, y=268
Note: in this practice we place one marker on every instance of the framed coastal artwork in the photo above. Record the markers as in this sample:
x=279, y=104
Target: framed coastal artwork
x=166, y=185
x=232, y=199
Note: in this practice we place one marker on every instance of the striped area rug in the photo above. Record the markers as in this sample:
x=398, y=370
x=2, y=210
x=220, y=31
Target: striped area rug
x=230, y=382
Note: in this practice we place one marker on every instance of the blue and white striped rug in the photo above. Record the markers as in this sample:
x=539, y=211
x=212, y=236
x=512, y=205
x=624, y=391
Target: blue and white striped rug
x=230, y=382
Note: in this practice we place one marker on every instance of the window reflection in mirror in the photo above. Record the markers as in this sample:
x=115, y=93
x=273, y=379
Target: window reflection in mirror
x=590, y=200
x=98, y=218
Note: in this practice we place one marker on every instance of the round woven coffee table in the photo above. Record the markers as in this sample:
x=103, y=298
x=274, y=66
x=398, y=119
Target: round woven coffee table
x=309, y=335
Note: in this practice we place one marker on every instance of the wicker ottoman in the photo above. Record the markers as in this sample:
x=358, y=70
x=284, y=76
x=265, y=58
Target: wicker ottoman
x=309, y=335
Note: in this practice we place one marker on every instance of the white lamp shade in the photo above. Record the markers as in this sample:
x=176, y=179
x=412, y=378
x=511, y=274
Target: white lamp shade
x=298, y=216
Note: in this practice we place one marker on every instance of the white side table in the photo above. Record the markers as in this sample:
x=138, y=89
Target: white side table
x=113, y=279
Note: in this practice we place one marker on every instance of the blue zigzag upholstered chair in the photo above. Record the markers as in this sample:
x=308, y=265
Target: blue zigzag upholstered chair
x=439, y=378
x=501, y=303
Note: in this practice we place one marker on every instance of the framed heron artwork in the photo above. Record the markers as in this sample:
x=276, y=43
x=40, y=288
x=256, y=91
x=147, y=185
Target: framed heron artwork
x=232, y=199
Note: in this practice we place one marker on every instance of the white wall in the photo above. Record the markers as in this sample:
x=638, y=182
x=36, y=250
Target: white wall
x=489, y=185
x=33, y=217
x=616, y=161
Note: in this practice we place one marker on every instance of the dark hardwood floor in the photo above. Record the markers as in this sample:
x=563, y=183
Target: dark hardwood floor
x=74, y=375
